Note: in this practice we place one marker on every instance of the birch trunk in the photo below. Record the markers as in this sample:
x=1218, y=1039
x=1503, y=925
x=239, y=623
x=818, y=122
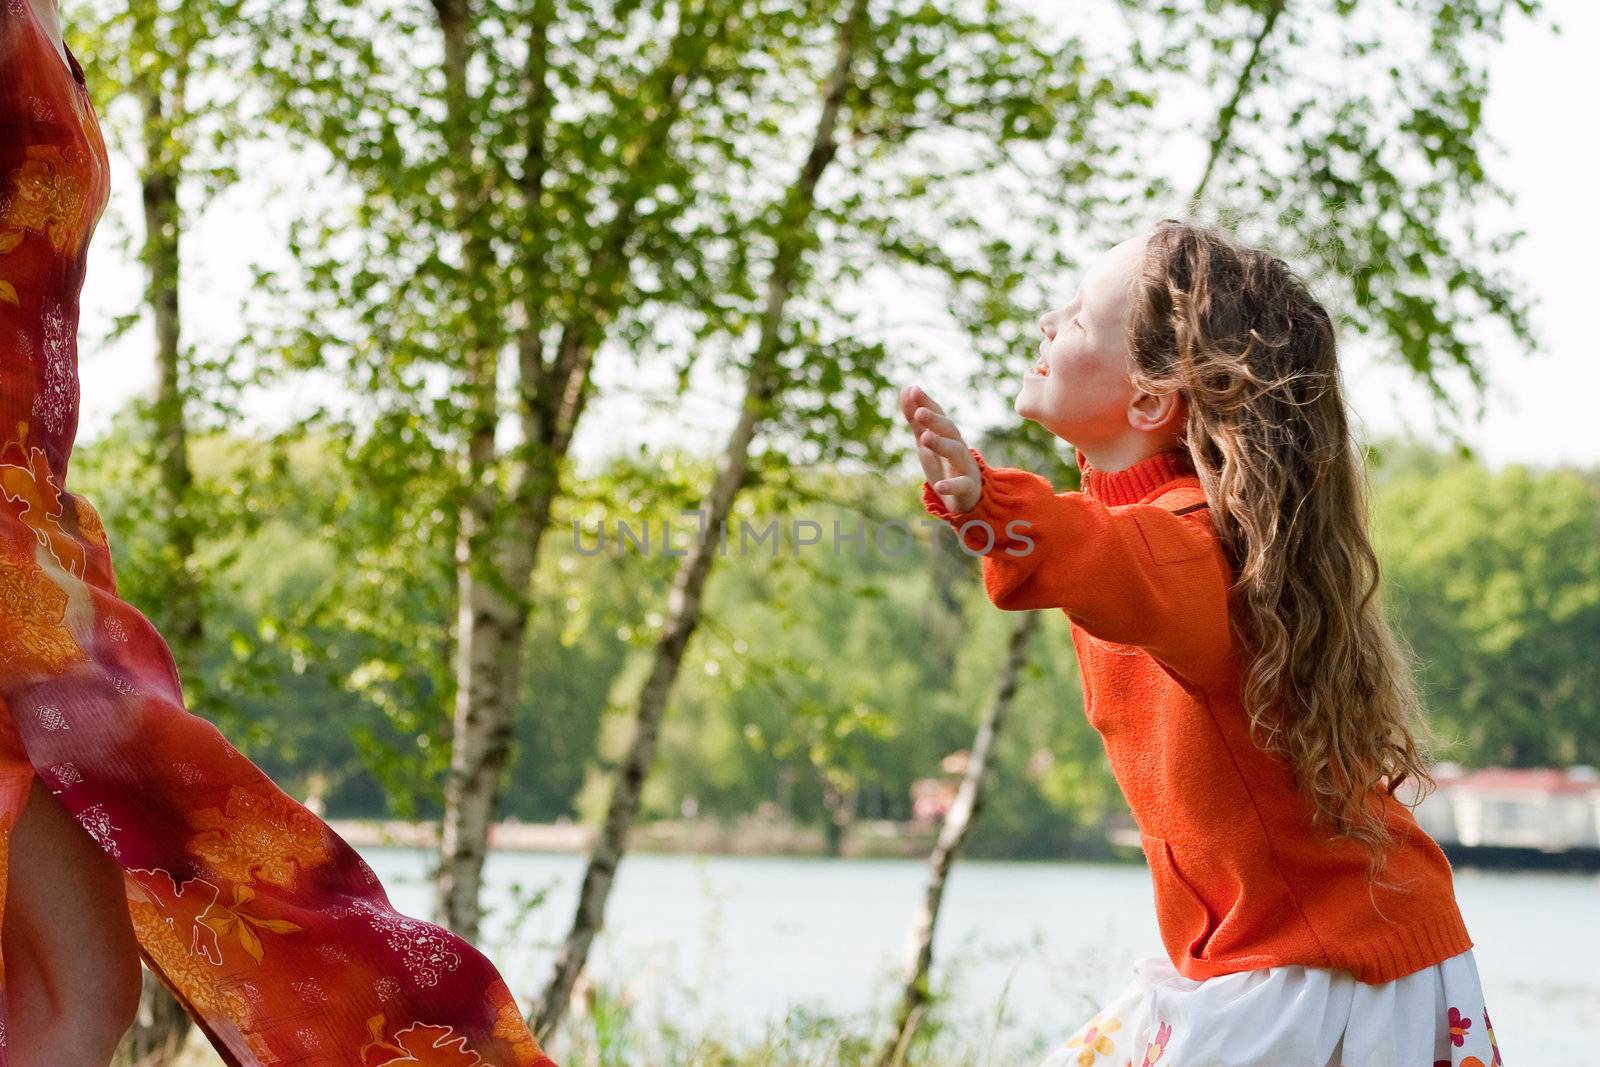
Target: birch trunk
x=184, y=628
x=688, y=586
x=481, y=725
x=952, y=836
x=499, y=546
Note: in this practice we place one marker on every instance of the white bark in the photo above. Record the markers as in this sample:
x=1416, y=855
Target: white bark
x=684, y=601
x=953, y=834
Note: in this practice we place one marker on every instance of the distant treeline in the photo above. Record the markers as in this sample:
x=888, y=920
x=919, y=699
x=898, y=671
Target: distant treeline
x=831, y=674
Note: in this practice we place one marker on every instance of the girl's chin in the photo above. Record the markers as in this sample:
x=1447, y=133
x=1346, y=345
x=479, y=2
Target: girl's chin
x=1030, y=404
x=1033, y=405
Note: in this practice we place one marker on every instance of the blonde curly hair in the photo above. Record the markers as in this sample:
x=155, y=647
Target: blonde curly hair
x=1328, y=684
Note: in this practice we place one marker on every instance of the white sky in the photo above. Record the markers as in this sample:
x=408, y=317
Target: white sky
x=1540, y=83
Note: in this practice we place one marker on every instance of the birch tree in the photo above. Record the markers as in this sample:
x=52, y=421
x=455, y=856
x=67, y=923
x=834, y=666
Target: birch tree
x=530, y=181
x=962, y=69
x=953, y=833
x=1351, y=139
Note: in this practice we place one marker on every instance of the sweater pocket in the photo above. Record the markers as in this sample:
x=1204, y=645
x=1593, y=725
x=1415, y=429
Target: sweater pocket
x=1186, y=924
x=1169, y=538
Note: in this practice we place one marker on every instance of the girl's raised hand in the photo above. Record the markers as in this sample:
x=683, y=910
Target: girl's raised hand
x=946, y=460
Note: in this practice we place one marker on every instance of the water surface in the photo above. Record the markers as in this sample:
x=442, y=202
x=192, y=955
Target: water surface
x=728, y=945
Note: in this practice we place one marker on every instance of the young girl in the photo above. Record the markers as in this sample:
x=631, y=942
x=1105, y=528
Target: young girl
x=1256, y=709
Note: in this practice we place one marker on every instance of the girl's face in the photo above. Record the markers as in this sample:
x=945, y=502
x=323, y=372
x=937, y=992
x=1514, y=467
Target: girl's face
x=1079, y=389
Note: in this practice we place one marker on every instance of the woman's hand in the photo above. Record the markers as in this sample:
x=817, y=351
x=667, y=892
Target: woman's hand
x=946, y=460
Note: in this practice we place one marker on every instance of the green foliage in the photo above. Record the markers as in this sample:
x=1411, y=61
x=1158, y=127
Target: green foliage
x=1358, y=153
x=819, y=688
x=1495, y=580
x=617, y=1031
x=117, y=472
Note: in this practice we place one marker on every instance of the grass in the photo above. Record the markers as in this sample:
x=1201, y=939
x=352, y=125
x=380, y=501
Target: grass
x=614, y=1032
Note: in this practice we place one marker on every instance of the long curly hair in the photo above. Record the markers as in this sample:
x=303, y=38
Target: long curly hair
x=1328, y=684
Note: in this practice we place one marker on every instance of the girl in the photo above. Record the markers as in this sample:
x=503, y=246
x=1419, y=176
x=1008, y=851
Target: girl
x=130, y=828
x=1257, y=711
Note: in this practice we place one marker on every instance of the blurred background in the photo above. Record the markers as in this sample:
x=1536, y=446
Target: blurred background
x=420, y=340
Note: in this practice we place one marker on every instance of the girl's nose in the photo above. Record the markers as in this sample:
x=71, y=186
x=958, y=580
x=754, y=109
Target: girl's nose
x=1044, y=324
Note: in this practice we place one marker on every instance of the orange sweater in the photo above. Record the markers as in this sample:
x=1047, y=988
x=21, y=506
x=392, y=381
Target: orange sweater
x=1242, y=878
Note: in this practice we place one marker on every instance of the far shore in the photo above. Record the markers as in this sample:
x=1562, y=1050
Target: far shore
x=755, y=837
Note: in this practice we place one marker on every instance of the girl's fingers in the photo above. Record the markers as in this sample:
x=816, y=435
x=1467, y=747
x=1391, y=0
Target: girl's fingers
x=955, y=486
x=960, y=493
x=914, y=397
x=952, y=449
x=912, y=400
x=943, y=425
x=932, y=465
x=922, y=413
x=960, y=470
x=909, y=403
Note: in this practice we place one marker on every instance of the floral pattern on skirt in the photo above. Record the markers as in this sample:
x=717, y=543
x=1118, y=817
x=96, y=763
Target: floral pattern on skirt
x=1290, y=1016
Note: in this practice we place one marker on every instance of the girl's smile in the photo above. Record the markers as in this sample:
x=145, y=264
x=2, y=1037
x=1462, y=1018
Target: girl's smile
x=1078, y=388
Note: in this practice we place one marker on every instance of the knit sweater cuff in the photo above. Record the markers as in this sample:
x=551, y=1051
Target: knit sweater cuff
x=1005, y=493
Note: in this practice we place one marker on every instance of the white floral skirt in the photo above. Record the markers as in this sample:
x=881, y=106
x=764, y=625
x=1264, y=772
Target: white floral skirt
x=1289, y=1017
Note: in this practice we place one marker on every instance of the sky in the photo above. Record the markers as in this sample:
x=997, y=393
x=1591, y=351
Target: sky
x=1540, y=84
x=1537, y=408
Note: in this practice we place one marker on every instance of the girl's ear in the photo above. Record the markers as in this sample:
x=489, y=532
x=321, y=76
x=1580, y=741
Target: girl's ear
x=1151, y=412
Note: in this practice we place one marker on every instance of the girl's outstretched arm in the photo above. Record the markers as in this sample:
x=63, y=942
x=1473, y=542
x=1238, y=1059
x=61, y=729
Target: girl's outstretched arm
x=1133, y=574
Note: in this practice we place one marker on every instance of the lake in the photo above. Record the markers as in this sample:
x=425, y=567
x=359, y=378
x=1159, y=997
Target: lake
x=728, y=944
